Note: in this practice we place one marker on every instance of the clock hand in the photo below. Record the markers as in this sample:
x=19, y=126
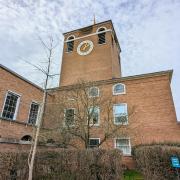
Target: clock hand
x=85, y=46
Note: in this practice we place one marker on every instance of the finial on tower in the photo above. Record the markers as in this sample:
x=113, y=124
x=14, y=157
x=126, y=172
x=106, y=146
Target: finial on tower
x=94, y=19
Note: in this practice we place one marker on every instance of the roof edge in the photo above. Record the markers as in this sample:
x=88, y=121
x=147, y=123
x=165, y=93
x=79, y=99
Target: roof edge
x=127, y=78
x=21, y=77
x=88, y=26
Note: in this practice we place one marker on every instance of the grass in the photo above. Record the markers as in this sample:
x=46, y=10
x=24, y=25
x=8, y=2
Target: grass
x=132, y=175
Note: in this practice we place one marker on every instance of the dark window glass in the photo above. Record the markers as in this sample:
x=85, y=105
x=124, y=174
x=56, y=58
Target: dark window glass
x=119, y=88
x=94, y=115
x=33, y=113
x=13, y=174
x=10, y=105
x=69, y=117
x=70, y=45
x=101, y=36
x=93, y=143
x=26, y=138
x=93, y=92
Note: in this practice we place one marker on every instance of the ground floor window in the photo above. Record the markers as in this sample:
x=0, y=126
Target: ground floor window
x=10, y=106
x=94, y=142
x=124, y=145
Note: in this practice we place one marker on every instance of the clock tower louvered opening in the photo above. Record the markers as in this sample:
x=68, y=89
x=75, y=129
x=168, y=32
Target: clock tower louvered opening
x=90, y=54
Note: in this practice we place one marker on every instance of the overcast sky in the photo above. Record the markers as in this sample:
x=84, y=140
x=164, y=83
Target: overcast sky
x=148, y=32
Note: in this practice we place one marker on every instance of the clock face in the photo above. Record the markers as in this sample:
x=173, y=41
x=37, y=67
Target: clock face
x=85, y=47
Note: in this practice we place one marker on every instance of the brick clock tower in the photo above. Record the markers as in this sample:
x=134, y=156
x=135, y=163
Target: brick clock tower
x=91, y=54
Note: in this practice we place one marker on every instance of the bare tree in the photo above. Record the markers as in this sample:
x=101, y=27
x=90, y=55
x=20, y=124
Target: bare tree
x=49, y=49
x=73, y=114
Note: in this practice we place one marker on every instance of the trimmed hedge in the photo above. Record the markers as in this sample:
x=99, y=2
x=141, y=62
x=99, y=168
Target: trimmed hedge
x=154, y=161
x=91, y=164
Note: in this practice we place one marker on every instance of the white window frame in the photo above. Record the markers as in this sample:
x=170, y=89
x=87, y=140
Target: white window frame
x=95, y=138
x=90, y=91
x=70, y=41
x=100, y=28
x=119, y=104
x=99, y=32
x=113, y=89
x=65, y=117
x=67, y=39
x=115, y=145
x=17, y=104
x=97, y=124
x=35, y=102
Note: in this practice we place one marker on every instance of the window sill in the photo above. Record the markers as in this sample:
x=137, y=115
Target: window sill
x=116, y=94
x=102, y=44
x=120, y=124
x=94, y=125
x=127, y=155
x=93, y=96
x=68, y=51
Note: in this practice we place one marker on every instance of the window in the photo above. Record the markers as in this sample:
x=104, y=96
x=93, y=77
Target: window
x=120, y=114
x=70, y=43
x=93, y=92
x=26, y=138
x=33, y=114
x=13, y=174
x=94, y=142
x=11, y=106
x=69, y=117
x=101, y=36
x=94, y=116
x=118, y=89
x=124, y=145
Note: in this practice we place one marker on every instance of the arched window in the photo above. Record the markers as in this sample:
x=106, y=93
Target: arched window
x=119, y=89
x=101, y=36
x=70, y=43
x=93, y=92
x=26, y=138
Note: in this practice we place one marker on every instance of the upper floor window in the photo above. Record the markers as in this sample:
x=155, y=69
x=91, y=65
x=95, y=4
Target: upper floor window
x=69, y=117
x=94, y=142
x=101, y=35
x=124, y=145
x=70, y=43
x=119, y=89
x=94, y=116
x=11, y=106
x=94, y=92
x=33, y=114
x=120, y=114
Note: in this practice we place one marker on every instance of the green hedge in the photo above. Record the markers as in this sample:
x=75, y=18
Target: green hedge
x=66, y=164
x=154, y=161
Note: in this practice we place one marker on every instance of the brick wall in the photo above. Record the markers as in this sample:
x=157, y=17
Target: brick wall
x=101, y=64
x=150, y=103
x=28, y=93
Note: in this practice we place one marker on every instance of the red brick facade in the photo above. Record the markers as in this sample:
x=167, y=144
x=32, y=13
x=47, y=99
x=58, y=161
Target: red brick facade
x=101, y=64
x=153, y=118
x=28, y=93
x=149, y=95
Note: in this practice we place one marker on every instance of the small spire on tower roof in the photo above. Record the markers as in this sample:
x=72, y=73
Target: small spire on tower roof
x=94, y=19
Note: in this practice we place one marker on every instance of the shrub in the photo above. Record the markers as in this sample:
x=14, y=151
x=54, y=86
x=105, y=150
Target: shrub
x=66, y=164
x=154, y=161
x=13, y=165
